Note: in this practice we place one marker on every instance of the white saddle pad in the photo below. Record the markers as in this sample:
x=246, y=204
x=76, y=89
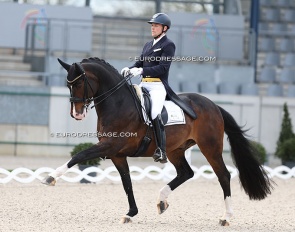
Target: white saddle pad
x=175, y=113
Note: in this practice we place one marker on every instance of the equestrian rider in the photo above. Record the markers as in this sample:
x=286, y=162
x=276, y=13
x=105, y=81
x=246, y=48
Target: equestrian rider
x=153, y=64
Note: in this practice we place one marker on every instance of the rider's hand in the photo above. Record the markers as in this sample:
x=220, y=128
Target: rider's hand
x=136, y=71
x=125, y=72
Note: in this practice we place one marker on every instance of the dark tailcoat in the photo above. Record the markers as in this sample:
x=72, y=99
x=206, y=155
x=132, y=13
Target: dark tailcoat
x=155, y=62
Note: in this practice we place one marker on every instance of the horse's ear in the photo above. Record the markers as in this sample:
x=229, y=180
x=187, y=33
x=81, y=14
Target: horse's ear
x=79, y=68
x=65, y=65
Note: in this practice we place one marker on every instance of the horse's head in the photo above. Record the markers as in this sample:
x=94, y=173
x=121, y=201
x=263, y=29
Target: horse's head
x=80, y=89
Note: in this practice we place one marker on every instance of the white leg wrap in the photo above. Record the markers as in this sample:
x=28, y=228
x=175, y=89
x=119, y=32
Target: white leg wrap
x=59, y=171
x=228, y=209
x=164, y=193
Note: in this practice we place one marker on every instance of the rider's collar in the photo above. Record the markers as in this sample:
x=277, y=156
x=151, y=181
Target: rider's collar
x=157, y=39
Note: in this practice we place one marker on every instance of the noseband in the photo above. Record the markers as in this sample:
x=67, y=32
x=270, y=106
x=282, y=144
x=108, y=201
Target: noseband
x=86, y=100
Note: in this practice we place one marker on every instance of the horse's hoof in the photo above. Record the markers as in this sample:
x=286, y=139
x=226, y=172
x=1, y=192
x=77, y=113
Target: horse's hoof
x=125, y=219
x=162, y=206
x=223, y=222
x=50, y=181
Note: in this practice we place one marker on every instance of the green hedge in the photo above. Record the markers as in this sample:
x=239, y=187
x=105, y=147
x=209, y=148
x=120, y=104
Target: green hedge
x=259, y=151
x=286, y=150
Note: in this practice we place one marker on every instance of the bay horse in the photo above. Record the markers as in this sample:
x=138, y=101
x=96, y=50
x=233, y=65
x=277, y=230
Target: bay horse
x=95, y=80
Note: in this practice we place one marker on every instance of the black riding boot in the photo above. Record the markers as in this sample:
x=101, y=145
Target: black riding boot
x=160, y=137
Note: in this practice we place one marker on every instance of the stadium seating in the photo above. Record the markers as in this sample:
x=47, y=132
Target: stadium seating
x=287, y=76
x=268, y=74
x=275, y=90
x=272, y=59
x=288, y=16
x=285, y=45
x=266, y=44
x=250, y=89
x=229, y=88
x=271, y=14
x=208, y=87
x=291, y=91
x=191, y=87
x=289, y=59
x=276, y=47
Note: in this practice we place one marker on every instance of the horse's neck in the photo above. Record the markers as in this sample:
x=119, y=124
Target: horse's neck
x=119, y=106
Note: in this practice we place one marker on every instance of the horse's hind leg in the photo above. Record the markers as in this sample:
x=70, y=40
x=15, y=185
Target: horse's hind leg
x=184, y=172
x=214, y=157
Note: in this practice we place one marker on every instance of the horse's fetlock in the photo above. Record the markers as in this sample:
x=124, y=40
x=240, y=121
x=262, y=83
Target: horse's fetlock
x=191, y=174
x=132, y=212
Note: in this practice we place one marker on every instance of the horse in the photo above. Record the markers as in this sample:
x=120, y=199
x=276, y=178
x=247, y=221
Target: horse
x=95, y=80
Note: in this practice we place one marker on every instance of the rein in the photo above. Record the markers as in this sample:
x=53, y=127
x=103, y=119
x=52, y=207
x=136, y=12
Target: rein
x=111, y=91
x=86, y=100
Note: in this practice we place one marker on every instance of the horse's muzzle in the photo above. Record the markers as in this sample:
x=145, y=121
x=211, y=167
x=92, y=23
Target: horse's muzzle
x=79, y=115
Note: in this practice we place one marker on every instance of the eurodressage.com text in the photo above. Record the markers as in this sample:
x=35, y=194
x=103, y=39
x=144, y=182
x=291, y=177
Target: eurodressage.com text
x=175, y=58
x=93, y=134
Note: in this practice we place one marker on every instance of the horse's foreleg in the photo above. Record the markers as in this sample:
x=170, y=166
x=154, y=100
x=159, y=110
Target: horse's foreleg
x=123, y=168
x=97, y=150
x=53, y=176
x=184, y=172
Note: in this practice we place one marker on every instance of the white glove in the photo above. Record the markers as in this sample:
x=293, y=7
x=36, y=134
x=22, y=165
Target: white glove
x=125, y=72
x=136, y=71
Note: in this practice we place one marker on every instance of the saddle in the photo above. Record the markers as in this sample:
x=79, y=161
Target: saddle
x=171, y=113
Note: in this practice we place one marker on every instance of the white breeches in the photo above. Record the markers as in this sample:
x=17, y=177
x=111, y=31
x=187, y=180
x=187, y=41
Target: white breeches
x=158, y=95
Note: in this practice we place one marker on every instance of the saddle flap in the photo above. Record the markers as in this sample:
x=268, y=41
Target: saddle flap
x=171, y=113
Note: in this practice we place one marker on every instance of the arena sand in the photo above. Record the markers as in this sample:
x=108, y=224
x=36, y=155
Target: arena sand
x=194, y=206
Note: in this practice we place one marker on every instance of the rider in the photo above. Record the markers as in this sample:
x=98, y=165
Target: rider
x=154, y=64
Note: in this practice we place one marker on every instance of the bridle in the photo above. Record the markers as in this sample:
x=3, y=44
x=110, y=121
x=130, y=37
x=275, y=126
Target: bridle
x=87, y=100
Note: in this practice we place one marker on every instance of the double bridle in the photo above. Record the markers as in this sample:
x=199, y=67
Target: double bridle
x=87, y=100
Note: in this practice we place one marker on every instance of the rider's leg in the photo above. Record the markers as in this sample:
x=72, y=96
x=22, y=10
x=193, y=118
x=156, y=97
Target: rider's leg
x=159, y=130
x=158, y=94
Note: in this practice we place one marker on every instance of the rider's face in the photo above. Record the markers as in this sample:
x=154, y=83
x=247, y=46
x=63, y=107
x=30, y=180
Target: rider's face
x=156, y=29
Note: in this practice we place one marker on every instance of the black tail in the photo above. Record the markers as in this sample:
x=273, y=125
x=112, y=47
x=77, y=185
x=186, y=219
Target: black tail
x=253, y=177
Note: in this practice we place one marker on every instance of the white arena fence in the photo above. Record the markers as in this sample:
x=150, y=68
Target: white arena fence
x=25, y=175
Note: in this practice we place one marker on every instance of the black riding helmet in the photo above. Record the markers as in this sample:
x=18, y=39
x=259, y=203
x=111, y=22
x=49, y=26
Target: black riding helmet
x=161, y=18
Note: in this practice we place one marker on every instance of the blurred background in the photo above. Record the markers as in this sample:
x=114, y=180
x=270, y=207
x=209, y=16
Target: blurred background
x=247, y=63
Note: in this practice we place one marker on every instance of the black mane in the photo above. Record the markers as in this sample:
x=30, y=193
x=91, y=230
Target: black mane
x=102, y=62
